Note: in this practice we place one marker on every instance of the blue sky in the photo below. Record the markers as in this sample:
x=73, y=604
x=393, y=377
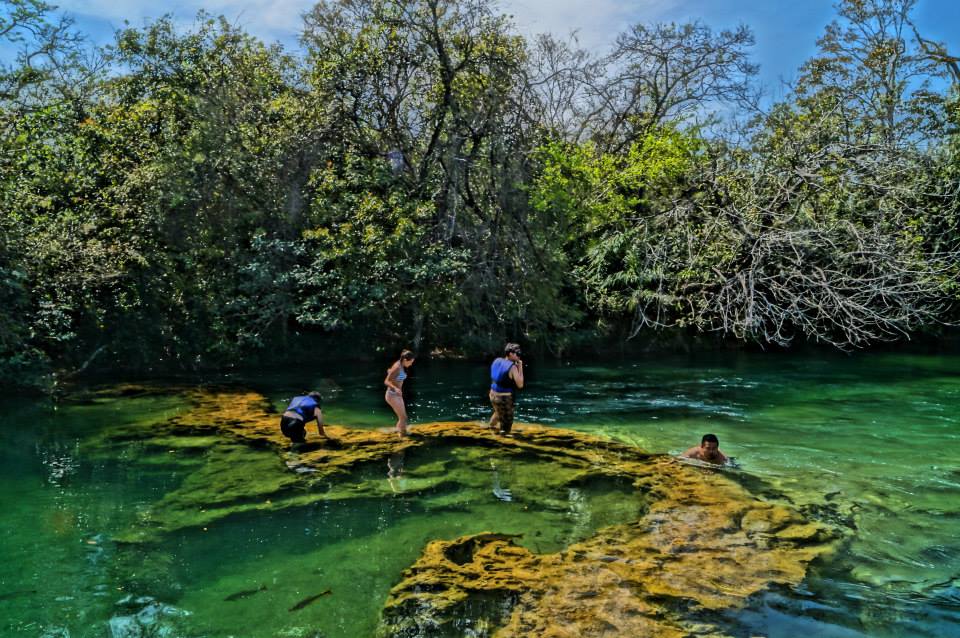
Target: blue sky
x=786, y=31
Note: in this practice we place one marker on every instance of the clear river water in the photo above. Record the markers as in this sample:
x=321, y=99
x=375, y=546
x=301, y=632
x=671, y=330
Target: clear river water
x=870, y=442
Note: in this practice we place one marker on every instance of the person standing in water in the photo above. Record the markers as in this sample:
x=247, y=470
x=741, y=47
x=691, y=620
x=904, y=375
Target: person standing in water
x=506, y=377
x=302, y=410
x=396, y=375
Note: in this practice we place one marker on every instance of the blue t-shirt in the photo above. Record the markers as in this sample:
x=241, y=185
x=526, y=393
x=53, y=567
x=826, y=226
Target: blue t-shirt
x=304, y=406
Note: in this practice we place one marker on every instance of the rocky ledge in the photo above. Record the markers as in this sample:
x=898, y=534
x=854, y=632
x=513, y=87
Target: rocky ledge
x=702, y=545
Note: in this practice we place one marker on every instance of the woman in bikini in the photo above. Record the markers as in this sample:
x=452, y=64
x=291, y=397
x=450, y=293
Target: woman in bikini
x=394, y=382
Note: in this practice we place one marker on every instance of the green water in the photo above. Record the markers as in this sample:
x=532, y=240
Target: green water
x=868, y=442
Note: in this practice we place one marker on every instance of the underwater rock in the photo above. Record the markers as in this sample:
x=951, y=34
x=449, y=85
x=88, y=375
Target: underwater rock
x=123, y=390
x=701, y=543
x=135, y=601
x=804, y=532
x=671, y=573
x=768, y=520
x=125, y=627
x=153, y=621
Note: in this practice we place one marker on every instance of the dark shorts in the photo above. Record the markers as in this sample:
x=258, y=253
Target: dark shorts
x=503, y=408
x=293, y=429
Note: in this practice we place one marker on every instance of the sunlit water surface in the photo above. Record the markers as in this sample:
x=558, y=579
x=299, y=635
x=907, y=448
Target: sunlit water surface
x=869, y=441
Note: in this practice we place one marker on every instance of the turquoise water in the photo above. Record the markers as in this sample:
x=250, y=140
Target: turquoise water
x=868, y=442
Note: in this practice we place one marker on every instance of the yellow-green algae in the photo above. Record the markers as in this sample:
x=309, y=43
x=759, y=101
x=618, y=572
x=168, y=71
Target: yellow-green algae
x=702, y=543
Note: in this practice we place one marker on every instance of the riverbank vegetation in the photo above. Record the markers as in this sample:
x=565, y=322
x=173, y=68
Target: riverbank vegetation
x=419, y=173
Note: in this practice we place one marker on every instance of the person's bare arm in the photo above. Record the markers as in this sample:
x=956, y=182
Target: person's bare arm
x=692, y=453
x=516, y=373
x=319, y=414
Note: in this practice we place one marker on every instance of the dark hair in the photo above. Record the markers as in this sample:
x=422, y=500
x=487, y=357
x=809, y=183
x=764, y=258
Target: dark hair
x=511, y=348
x=709, y=438
x=408, y=355
x=315, y=395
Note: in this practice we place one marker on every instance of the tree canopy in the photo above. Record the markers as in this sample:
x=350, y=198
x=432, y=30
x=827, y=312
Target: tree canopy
x=421, y=174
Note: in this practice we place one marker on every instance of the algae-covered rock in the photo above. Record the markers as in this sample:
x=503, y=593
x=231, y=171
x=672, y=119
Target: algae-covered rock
x=240, y=462
x=689, y=555
x=768, y=519
x=695, y=543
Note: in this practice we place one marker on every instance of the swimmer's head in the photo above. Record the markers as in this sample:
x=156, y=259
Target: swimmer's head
x=710, y=445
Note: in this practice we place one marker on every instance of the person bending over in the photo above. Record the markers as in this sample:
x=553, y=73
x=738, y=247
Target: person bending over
x=302, y=410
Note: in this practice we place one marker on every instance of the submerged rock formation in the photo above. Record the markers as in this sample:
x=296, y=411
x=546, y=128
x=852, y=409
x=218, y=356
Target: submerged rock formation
x=701, y=545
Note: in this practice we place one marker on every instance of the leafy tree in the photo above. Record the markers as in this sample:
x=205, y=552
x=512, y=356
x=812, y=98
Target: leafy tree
x=626, y=247
x=216, y=181
x=432, y=85
x=52, y=62
x=423, y=175
x=667, y=73
x=831, y=225
x=873, y=77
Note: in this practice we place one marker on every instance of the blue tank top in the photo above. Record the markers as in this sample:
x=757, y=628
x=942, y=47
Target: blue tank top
x=500, y=375
x=304, y=406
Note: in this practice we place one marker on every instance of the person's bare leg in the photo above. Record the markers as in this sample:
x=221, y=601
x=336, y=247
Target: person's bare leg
x=402, y=421
x=396, y=402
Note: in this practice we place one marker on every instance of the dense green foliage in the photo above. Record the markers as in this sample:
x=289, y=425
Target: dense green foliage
x=420, y=174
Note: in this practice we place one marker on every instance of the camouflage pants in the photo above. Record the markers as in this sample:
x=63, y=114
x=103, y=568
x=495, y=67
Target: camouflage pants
x=502, y=412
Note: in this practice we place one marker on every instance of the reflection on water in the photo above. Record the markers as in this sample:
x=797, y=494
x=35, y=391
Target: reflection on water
x=502, y=493
x=395, y=470
x=869, y=442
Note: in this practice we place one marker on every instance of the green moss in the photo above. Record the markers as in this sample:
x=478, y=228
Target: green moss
x=573, y=518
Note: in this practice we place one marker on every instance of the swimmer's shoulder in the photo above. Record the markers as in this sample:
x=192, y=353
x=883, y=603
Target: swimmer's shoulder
x=730, y=464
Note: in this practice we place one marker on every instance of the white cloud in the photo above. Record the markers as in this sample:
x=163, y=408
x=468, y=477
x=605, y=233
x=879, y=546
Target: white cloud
x=267, y=19
x=596, y=22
